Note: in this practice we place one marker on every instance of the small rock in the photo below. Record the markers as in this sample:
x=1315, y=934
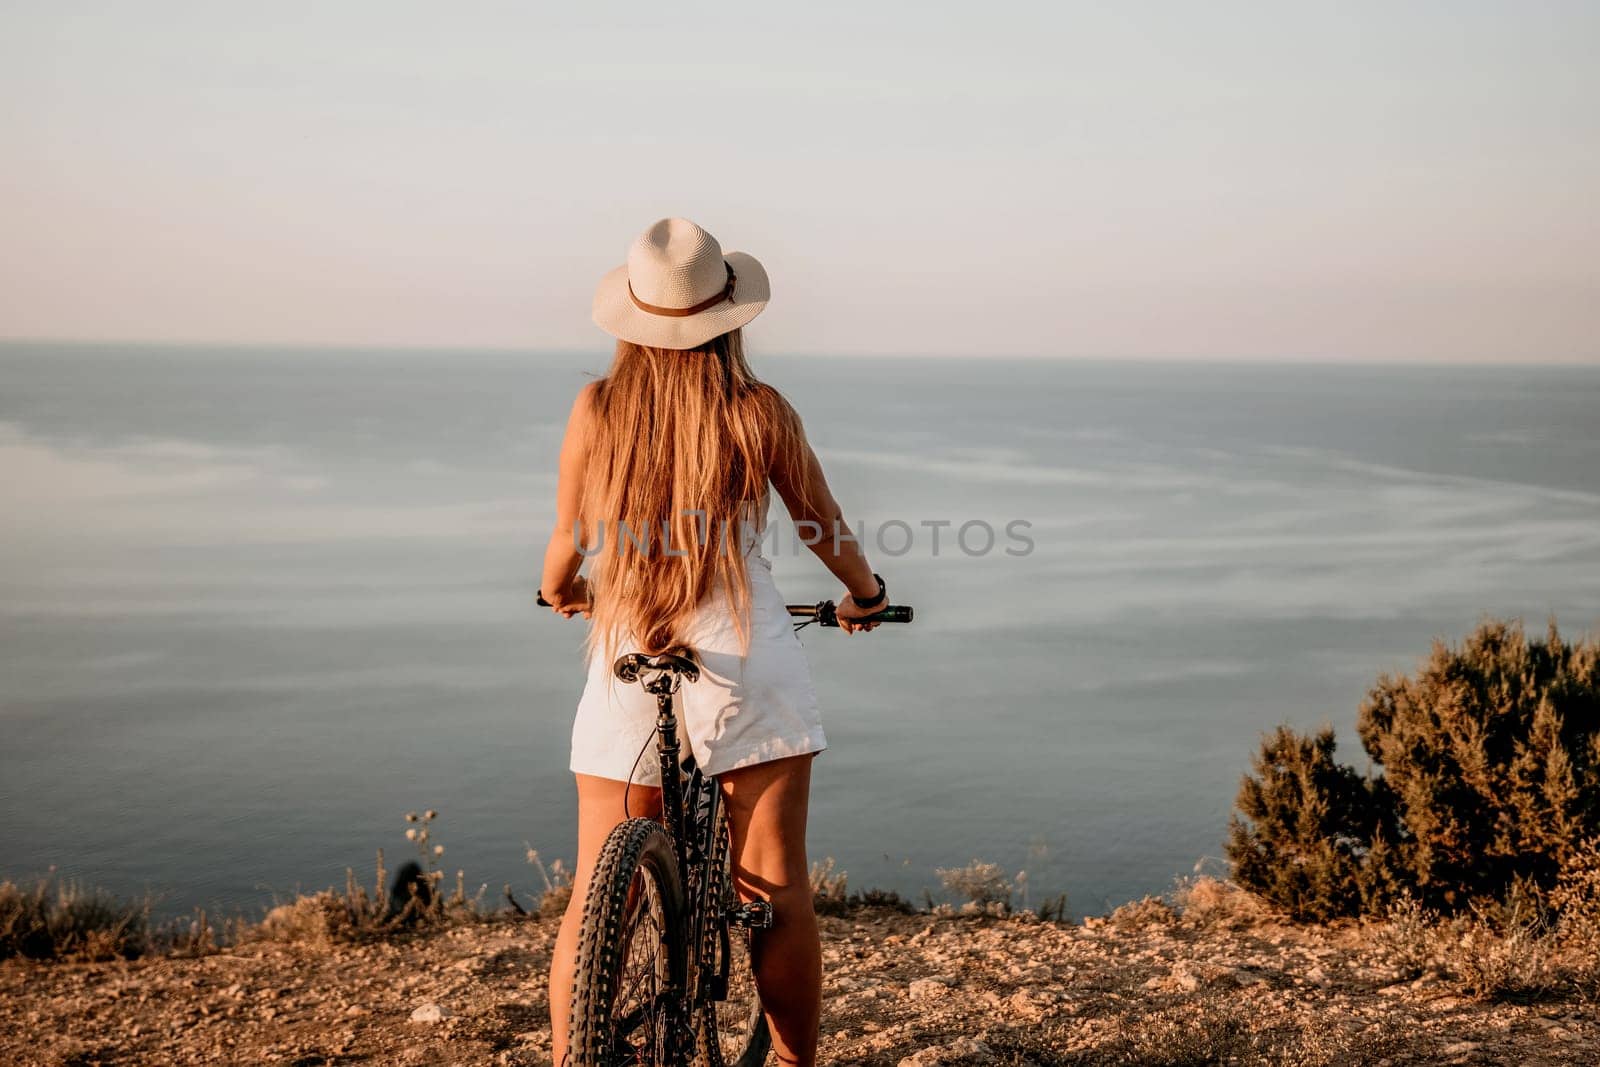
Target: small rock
x=927, y=988
x=961, y=1050
x=431, y=1013
x=1022, y=1004
x=1181, y=979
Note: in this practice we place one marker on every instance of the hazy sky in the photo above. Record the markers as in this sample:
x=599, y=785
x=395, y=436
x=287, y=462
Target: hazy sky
x=1347, y=180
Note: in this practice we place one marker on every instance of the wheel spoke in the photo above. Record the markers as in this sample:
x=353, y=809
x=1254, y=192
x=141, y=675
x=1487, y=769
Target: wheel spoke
x=640, y=981
x=635, y=1009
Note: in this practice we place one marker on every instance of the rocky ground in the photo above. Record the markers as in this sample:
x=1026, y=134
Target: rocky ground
x=1142, y=988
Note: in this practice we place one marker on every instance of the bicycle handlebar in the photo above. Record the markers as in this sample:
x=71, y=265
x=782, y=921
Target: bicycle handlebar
x=825, y=613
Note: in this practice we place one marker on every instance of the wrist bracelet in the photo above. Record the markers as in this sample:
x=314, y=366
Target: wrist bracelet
x=873, y=601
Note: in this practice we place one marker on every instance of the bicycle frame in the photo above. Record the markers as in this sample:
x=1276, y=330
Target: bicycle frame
x=690, y=807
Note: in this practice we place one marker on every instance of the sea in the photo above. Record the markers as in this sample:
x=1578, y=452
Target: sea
x=258, y=603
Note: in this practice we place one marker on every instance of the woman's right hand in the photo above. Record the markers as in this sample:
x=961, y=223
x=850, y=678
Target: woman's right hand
x=853, y=616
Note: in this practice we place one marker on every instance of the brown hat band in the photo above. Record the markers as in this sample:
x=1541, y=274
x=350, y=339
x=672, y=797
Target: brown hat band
x=678, y=313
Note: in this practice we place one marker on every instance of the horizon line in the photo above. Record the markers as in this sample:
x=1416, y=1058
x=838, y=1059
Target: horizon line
x=1287, y=359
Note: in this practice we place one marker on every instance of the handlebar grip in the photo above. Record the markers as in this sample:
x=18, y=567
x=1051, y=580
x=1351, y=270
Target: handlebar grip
x=892, y=613
x=826, y=613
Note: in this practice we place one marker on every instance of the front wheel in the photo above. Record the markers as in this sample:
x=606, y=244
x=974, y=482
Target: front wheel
x=630, y=960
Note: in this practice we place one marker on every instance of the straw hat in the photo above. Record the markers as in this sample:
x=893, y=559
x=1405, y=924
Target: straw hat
x=679, y=289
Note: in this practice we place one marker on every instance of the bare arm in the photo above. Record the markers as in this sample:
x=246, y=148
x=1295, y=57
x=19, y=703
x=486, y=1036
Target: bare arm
x=559, y=581
x=804, y=488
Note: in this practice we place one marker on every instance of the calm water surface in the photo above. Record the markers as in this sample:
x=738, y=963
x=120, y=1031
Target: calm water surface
x=256, y=604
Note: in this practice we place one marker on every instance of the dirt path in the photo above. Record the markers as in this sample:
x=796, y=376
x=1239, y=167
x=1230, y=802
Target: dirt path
x=899, y=988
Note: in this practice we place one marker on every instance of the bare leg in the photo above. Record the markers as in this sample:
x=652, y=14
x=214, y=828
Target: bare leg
x=599, y=812
x=767, y=806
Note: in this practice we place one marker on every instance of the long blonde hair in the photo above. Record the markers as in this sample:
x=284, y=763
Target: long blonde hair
x=684, y=441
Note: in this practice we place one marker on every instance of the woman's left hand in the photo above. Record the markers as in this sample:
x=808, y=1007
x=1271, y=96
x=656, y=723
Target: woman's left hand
x=573, y=600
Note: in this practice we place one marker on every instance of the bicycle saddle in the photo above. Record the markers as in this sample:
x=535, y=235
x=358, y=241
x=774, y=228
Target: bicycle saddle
x=679, y=662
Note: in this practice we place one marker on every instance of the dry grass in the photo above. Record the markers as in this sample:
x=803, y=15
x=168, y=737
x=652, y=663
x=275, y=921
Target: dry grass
x=55, y=919
x=1144, y=912
x=831, y=893
x=1405, y=941
x=986, y=886
x=1576, y=900
x=332, y=917
x=1179, y=1039
x=1531, y=947
x=1500, y=958
x=355, y=914
x=830, y=888
x=1217, y=902
x=1517, y=952
x=552, y=902
x=1221, y=1031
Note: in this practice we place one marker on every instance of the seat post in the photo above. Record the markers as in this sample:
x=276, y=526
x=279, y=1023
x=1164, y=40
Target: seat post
x=661, y=675
x=667, y=748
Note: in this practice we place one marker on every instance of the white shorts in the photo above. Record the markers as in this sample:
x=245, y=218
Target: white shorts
x=745, y=709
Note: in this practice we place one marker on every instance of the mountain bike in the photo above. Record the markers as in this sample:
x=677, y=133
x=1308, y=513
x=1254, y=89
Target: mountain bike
x=663, y=971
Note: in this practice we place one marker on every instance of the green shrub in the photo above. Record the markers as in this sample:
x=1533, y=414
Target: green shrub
x=1309, y=843
x=1487, y=781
